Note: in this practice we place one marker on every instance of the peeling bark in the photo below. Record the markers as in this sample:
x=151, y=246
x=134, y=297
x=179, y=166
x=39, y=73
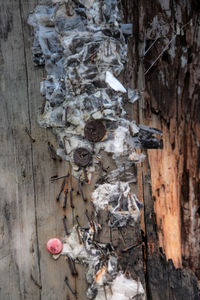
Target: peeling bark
x=166, y=65
x=172, y=103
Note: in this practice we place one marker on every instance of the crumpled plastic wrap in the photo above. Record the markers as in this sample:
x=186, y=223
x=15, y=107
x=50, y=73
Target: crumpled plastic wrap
x=102, y=266
x=119, y=201
x=82, y=46
x=122, y=288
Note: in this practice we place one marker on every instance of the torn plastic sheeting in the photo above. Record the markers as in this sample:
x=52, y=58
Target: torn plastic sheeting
x=127, y=29
x=81, y=46
x=150, y=129
x=83, y=249
x=121, y=288
x=118, y=200
x=114, y=83
x=84, y=51
x=72, y=246
x=102, y=276
x=133, y=95
x=88, y=252
x=125, y=171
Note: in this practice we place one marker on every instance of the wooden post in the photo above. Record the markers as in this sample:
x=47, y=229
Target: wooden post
x=168, y=182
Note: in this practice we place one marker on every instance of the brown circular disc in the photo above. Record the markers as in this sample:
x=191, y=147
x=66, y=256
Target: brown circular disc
x=94, y=130
x=82, y=157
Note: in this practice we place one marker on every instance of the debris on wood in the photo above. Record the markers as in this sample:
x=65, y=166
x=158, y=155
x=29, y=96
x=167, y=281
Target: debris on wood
x=114, y=83
x=102, y=266
x=119, y=201
x=82, y=52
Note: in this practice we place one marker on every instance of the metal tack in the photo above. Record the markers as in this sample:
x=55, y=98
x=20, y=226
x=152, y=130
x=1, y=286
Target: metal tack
x=82, y=157
x=70, y=288
x=65, y=199
x=65, y=225
x=94, y=130
x=61, y=190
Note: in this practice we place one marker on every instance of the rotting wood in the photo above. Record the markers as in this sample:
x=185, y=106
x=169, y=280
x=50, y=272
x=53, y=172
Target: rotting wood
x=172, y=105
x=163, y=108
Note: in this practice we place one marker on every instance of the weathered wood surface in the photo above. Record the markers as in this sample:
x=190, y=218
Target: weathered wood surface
x=30, y=214
x=172, y=102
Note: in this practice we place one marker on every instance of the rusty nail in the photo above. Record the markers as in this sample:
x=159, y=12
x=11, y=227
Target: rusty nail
x=72, y=266
x=82, y=157
x=52, y=151
x=104, y=289
x=100, y=249
x=87, y=215
x=79, y=238
x=71, y=199
x=120, y=200
x=85, y=175
x=132, y=246
x=94, y=130
x=65, y=225
x=54, y=178
x=65, y=199
x=81, y=191
x=67, y=124
x=77, y=220
x=67, y=283
x=119, y=230
x=61, y=190
x=111, y=235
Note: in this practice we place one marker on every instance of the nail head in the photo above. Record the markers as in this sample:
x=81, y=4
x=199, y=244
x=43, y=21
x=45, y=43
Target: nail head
x=82, y=157
x=94, y=130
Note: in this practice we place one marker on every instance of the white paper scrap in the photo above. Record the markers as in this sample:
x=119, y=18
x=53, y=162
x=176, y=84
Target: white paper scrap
x=114, y=83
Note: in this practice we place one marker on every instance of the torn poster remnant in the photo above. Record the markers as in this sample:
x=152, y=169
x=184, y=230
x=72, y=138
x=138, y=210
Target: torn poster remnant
x=82, y=46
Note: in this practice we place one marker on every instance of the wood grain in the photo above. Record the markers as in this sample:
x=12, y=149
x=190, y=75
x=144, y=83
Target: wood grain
x=30, y=214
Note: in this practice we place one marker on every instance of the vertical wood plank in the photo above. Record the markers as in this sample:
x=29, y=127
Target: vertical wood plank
x=19, y=252
x=49, y=213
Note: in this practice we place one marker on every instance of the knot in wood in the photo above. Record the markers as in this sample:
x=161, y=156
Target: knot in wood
x=82, y=157
x=94, y=130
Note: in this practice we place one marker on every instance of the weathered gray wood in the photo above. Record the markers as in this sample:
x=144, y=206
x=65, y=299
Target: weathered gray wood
x=30, y=214
x=19, y=249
